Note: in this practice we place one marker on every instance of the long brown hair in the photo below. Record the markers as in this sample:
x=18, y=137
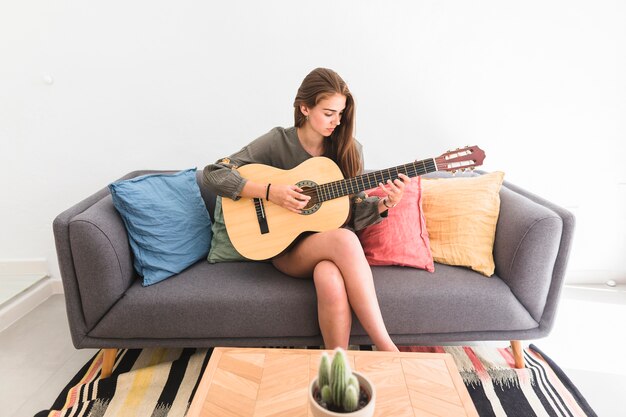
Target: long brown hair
x=340, y=146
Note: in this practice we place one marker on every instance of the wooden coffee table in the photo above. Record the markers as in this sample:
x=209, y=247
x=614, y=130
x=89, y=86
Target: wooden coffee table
x=274, y=382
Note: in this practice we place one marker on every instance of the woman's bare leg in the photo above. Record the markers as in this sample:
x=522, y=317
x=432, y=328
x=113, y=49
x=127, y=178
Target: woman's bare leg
x=333, y=309
x=342, y=247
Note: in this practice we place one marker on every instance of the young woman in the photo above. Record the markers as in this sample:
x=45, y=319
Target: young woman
x=324, y=123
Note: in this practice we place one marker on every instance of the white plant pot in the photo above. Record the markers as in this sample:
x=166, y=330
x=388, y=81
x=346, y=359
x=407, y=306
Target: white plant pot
x=367, y=411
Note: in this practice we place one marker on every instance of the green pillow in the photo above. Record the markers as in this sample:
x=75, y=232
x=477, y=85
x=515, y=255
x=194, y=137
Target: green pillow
x=222, y=250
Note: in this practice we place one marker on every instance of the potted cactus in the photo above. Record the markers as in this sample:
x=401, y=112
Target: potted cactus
x=338, y=391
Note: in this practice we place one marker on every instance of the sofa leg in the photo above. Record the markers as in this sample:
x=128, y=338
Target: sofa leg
x=108, y=362
x=518, y=354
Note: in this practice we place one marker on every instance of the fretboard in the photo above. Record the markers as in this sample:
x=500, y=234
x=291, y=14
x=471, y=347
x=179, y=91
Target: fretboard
x=371, y=180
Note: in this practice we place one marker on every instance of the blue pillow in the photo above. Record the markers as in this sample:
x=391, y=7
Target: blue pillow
x=168, y=225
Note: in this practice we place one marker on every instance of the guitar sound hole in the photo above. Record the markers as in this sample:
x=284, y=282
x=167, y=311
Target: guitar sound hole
x=313, y=201
x=313, y=205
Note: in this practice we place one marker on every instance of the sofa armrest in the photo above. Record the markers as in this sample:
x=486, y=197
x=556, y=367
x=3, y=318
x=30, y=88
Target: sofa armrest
x=102, y=258
x=95, y=259
x=532, y=245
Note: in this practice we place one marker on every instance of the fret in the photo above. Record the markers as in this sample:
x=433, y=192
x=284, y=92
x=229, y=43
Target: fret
x=354, y=185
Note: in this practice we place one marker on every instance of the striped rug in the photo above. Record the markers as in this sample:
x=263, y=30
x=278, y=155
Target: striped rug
x=162, y=382
x=499, y=389
x=145, y=382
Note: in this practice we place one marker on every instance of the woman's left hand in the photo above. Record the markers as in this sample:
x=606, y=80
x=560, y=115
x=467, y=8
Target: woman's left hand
x=394, y=190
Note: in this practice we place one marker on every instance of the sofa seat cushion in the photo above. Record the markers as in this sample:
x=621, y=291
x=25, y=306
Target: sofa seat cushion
x=452, y=299
x=240, y=299
x=254, y=300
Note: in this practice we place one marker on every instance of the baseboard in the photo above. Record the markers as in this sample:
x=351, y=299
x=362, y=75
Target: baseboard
x=594, y=276
x=23, y=267
x=26, y=301
x=597, y=293
x=57, y=286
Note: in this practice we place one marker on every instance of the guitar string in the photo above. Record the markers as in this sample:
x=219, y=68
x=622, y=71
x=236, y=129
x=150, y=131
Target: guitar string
x=410, y=170
x=333, y=189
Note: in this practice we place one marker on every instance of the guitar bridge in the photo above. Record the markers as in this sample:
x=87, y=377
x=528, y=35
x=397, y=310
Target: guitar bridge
x=260, y=215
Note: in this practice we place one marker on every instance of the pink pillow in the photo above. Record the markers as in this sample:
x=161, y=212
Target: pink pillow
x=402, y=238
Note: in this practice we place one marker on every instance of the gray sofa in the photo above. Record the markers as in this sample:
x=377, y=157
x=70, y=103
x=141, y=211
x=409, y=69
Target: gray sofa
x=252, y=304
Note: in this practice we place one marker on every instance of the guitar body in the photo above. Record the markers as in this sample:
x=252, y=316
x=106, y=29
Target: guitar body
x=283, y=226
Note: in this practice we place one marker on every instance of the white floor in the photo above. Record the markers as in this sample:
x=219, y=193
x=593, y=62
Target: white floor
x=37, y=358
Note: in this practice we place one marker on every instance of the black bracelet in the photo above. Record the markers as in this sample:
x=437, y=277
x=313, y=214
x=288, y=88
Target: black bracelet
x=267, y=192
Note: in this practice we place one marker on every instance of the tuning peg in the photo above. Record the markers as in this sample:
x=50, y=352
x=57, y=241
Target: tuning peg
x=453, y=172
x=472, y=168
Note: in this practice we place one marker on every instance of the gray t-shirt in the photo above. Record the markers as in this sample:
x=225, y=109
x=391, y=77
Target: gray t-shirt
x=281, y=148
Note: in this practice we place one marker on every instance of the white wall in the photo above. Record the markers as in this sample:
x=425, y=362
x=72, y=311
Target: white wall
x=174, y=84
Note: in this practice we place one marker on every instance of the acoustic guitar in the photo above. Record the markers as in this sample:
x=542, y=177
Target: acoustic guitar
x=260, y=229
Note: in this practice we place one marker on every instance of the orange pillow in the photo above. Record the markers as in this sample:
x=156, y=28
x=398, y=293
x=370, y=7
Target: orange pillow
x=401, y=238
x=461, y=216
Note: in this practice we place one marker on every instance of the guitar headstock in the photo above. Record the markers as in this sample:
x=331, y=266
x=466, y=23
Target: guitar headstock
x=460, y=159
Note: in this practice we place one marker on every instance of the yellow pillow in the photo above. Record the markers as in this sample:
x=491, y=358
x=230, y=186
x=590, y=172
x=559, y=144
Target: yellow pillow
x=461, y=215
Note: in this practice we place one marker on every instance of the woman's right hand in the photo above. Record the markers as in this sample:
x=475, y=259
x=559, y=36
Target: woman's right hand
x=289, y=197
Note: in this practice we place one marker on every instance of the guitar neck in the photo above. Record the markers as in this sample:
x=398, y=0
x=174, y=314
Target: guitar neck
x=341, y=188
